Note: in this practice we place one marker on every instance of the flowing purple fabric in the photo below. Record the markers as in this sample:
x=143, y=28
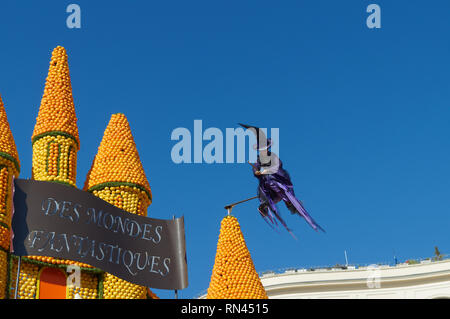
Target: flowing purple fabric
x=276, y=186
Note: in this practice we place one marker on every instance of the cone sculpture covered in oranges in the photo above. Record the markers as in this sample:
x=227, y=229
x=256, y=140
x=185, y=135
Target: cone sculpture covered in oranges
x=55, y=144
x=234, y=275
x=9, y=168
x=57, y=111
x=117, y=163
x=117, y=177
x=8, y=150
x=55, y=137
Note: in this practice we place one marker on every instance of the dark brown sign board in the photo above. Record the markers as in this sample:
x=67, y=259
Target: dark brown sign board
x=60, y=221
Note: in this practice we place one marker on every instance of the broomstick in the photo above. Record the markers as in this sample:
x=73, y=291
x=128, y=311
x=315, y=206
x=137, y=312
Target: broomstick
x=256, y=169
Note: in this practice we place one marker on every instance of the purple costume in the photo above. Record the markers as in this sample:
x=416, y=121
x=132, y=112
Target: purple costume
x=274, y=186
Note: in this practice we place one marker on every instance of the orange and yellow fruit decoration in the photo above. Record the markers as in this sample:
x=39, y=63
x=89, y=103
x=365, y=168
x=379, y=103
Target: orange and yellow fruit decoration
x=55, y=137
x=116, y=176
x=55, y=143
x=234, y=275
x=9, y=168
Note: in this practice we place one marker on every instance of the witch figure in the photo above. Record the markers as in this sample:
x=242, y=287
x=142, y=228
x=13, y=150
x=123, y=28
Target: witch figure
x=275, y=184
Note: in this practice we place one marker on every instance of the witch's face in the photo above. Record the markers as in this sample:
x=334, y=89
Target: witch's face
x=264, y=157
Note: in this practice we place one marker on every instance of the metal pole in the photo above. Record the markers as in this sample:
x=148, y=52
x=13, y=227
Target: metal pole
x=16, y=291
x=346, y=260
x=176, y=291
x=230, y=207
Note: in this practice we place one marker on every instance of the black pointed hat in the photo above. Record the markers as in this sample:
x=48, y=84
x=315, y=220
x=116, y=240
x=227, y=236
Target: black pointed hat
x=262, y=142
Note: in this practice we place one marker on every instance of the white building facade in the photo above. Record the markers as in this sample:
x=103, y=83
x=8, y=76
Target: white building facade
x=425, y=280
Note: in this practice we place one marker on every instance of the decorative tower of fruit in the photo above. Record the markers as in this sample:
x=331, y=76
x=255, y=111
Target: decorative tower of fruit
x=117, y=177
x=55, y=138
x=9, y=168
x=55, y=144
x=234, y=275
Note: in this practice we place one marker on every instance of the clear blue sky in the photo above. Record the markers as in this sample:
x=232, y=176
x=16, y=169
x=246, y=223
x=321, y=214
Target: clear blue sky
x=363, y=114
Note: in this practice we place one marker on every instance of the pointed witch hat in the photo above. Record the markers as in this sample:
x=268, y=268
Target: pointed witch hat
x=262, y=142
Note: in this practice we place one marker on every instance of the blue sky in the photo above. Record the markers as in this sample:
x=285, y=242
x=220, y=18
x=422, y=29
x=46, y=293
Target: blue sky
x=362, y=113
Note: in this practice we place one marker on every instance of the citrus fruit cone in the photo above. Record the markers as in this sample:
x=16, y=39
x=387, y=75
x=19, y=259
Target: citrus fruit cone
x=9, y=168
x=117, y=177
x=234, y=275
